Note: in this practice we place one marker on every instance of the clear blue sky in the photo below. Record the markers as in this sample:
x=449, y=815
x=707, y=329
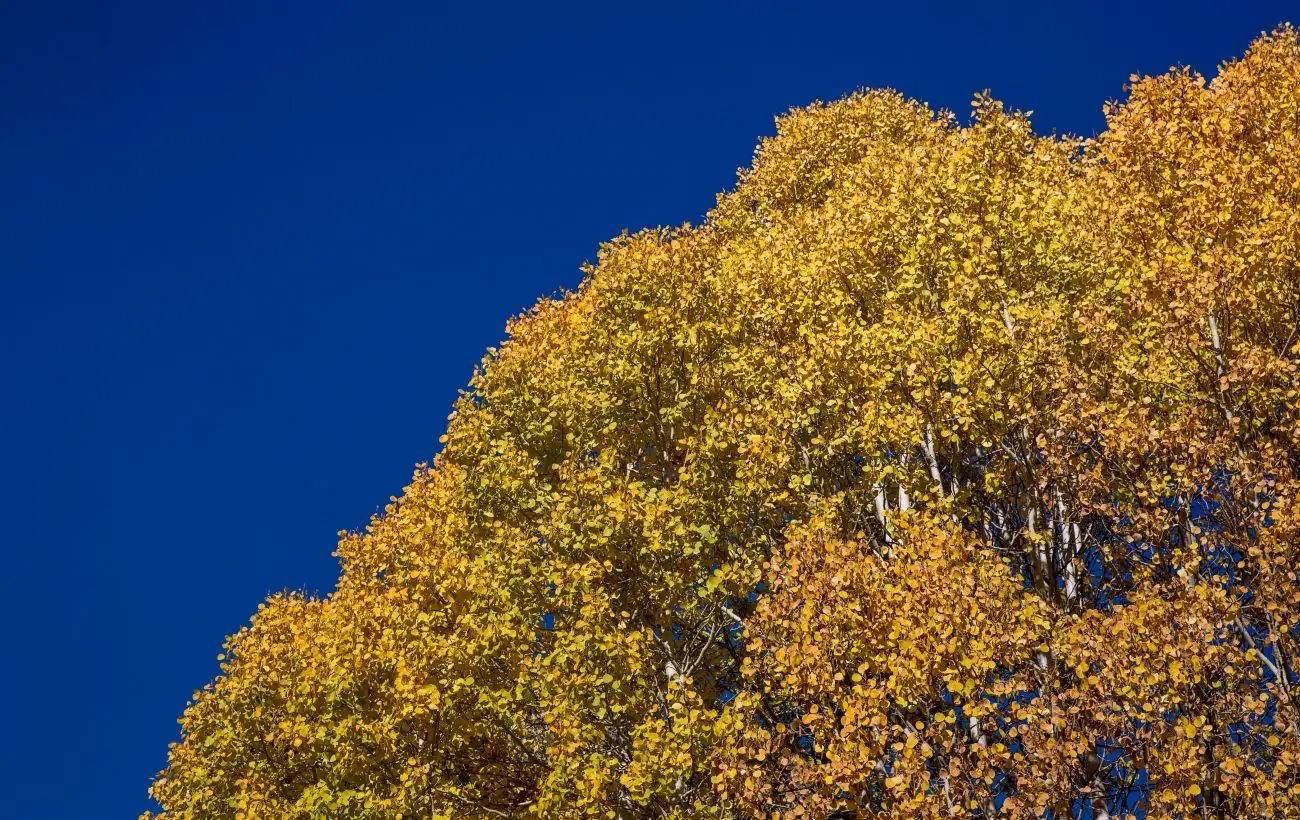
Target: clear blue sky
x=249, y=252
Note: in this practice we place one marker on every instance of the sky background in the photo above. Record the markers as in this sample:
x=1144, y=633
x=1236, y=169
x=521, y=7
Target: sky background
x=250, y=251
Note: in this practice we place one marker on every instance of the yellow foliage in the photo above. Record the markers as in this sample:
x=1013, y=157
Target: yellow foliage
x=944, y=470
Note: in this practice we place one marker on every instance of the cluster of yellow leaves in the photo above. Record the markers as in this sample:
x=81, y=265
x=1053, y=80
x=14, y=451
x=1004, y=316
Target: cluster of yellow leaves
x=942, y=471
x=851, y=656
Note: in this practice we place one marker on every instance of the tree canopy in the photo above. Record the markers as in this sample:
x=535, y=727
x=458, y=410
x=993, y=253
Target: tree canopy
x=944, y=470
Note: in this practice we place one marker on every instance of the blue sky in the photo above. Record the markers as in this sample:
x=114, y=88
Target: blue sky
x=250, y=251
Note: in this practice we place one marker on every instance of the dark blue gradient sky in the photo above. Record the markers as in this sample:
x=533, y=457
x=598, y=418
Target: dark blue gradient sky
x=250, y=251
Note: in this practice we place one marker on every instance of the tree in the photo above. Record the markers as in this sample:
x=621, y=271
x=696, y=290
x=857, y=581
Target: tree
x=944, y=470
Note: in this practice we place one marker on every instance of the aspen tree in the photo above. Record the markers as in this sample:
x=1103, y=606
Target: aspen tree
x=945, y=470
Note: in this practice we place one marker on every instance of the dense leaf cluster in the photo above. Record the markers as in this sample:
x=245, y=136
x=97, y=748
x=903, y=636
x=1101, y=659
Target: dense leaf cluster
x=944, y=470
